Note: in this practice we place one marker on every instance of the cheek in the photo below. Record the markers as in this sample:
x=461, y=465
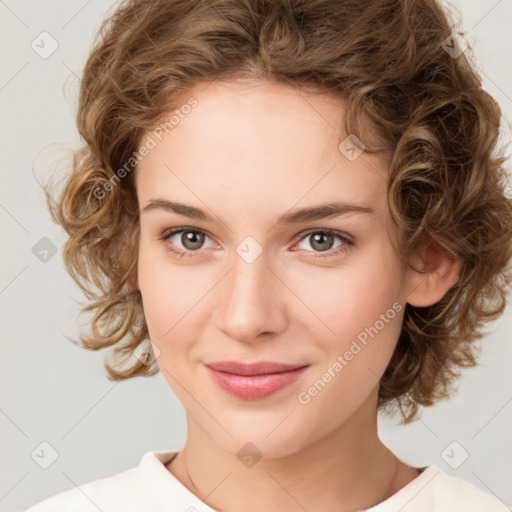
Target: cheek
x=161, y=293
x=167, y=289
x=174, y=302
x=341, y=302
x=355, y=361
x=357, y=323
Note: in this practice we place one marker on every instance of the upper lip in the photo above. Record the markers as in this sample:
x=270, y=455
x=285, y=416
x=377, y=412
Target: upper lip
x=259, y=368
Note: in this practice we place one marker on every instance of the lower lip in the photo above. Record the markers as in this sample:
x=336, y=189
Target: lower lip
x=255, y=387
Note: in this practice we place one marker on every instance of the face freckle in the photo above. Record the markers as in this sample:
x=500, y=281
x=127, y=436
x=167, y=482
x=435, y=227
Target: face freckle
x=233, y=174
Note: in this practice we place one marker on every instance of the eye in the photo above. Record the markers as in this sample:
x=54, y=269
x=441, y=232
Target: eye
x=322, y=240
x=192, y=241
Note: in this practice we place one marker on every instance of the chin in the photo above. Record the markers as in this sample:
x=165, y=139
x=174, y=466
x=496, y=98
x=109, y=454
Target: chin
x=267, y=439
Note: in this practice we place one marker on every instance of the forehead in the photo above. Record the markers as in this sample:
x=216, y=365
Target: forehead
x=256, y=142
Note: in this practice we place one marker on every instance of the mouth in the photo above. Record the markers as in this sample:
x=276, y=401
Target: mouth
x=256, y=380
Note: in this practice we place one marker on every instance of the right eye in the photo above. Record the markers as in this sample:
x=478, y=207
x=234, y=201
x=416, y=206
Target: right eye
x=191, y=240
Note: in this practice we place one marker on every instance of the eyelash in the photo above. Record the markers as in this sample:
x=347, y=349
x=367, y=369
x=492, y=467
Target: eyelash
x=347, y=243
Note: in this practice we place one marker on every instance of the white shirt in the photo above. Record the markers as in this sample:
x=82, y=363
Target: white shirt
x=150, y=487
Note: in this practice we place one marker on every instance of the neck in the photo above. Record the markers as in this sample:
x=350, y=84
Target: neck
x=346, y=470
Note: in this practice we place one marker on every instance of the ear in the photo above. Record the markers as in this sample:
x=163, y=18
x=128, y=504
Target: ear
x=438, y=272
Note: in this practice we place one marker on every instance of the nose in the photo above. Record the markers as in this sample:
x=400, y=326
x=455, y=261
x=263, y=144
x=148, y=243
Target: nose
x=252, y=301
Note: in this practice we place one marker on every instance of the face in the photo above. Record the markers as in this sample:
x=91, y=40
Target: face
x=239, y=283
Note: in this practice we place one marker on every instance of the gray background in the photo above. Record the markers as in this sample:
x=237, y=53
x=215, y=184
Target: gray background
x=52, y=391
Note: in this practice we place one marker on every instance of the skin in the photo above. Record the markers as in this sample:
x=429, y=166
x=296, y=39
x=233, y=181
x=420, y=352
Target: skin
x=247, y=153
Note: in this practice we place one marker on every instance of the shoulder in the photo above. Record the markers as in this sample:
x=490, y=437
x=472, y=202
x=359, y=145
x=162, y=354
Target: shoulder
x=468, y=496
x=462, y=495
x=123, y=491
x=434, y=489
x=91, y=496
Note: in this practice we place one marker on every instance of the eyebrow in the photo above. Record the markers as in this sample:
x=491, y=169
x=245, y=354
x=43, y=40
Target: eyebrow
x=292, y=217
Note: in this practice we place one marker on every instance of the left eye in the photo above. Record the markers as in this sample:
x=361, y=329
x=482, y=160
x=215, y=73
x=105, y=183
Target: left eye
x=322, y=240
x=192, y=241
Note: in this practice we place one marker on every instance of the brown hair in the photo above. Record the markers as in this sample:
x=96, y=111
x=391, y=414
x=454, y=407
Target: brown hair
x=387, y=59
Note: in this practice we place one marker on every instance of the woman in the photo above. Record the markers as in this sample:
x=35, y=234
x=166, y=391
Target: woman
x=294, y=211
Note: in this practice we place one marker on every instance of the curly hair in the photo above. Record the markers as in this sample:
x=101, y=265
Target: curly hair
x=388, y=60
